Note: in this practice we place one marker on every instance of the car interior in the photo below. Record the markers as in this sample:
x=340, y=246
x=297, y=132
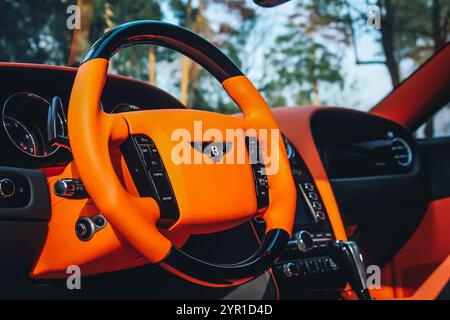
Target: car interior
x=88, y=179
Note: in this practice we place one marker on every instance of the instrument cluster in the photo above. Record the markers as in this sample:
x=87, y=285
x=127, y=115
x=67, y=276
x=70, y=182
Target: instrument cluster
x=25, y=120
x=30, y=125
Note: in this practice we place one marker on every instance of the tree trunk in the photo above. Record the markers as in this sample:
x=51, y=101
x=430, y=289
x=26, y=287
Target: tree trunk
x=316, y=97
x=80, y=37
x=151, y=65
x=185, y=63
x=184, y=86
x=438, y=42
x=388, y=42
x=194, y=68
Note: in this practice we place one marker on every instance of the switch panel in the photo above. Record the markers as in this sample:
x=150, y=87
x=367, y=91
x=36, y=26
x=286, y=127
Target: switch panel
x=150, y=177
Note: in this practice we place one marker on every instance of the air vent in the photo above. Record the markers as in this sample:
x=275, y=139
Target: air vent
x=402, y=152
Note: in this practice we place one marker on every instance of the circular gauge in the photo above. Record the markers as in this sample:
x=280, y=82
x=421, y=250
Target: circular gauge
x=24, y=118
x=20, y=135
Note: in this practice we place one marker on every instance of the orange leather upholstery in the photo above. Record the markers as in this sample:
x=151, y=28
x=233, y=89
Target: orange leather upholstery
x=426, y=250
x=295, y=123
x=434, y=284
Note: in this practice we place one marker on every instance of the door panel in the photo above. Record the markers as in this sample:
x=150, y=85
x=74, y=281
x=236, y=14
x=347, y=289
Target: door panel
x=435, y=155
x=429, y=246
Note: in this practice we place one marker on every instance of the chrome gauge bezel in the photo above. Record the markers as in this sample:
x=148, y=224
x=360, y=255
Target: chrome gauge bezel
x=50, y=150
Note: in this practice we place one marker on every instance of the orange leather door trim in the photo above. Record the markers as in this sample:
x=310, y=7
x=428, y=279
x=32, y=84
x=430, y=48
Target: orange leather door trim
x=427, y=248
x=434, y=284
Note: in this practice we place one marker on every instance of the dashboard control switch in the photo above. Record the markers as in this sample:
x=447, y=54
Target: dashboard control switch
x=7, y=188
x=99, y=221
x=304, y=241
x=70, y=188
x=84, y=229
x=313, y=196
x=317, y=205
x=290, y=270
x=313, y=267
x=308, y=186
x=320, y=215
x=303, y=268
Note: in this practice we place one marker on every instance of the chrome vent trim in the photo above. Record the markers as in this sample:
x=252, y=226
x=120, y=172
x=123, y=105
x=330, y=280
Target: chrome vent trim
x=402, y=153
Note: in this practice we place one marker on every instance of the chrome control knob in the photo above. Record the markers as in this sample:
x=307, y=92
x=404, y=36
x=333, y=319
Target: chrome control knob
x=84, y=229
x=7, y=188
x=290, y=270
x=70, y=188
x=304, y=241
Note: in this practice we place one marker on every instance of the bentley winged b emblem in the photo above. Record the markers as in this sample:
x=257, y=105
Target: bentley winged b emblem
x=214, y=150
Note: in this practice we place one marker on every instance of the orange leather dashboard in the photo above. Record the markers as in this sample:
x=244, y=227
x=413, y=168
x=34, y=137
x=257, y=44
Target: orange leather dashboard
x=295, y=123
x=106, y=251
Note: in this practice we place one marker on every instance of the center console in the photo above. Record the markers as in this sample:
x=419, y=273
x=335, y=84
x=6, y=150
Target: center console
x=306, y=267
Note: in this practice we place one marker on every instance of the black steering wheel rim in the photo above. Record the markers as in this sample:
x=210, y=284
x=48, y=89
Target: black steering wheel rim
x=166, y=35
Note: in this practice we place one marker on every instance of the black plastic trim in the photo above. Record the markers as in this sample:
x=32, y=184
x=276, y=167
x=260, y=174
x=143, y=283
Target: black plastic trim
x=226, y=274
x=169, y=36
x=270, y=3
x=37, y=206
x=21, y=244
x=342, y=129
x=435, y=155
x=394, y=203
x=259, y=173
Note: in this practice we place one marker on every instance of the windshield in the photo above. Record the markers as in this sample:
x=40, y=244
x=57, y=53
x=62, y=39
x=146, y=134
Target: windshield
x=328, y=52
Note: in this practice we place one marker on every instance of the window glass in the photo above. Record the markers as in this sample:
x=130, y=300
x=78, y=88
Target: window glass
x=438, y=126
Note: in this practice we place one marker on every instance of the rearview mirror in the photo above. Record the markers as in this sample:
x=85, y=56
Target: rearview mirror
x=269, y=3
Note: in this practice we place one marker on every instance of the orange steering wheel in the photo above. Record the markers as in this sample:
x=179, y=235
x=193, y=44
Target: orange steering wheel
x=175, y=195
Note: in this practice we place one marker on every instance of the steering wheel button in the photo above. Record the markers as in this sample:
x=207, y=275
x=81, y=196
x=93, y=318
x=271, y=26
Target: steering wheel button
x=141, y=139
x=162, y=186
x=156, y=163
x=145, y=150
x=154, y=152
x=156, y=174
